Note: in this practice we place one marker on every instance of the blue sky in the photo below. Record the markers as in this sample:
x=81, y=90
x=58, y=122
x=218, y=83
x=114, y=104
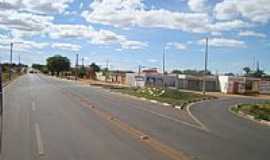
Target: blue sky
x=128, y=33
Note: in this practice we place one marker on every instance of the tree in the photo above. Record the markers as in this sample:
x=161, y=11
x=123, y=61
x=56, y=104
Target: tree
x=229, y=74
x=58, y=64
x=94, y=67
x=196, y=72
x=177, y=71
x=247, y=70
x=82, y=72
x=258, y=73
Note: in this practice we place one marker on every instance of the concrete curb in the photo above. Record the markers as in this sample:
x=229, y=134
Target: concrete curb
x=248, y=117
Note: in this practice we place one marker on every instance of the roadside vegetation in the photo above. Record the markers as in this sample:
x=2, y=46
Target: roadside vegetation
x=171, y=96
x=17, y=70
x=258, y=111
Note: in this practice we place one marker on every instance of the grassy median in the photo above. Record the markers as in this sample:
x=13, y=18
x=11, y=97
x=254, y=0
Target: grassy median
x=258, y=111
x=171, y=96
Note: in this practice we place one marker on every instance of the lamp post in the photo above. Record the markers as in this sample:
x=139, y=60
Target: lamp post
x=140, y=69
x=76, y=66
x=205, y=66
x=10, y=63
x=164, y=66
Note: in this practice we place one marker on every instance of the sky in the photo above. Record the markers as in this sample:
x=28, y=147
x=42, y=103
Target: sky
x=129, y=33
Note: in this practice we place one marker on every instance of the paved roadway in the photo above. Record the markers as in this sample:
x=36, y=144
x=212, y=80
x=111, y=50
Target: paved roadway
x=50, y=119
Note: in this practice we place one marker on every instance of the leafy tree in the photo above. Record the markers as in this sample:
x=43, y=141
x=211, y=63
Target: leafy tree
x=229, y=74
x=258, y=73
x=196, y=72
x=95, y=67
x=247, y=70
x=82, y=72
x=58, y=64
x=39, y=66
x=177, y=71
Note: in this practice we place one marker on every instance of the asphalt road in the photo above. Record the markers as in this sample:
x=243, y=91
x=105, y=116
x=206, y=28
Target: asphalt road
x=46, y=118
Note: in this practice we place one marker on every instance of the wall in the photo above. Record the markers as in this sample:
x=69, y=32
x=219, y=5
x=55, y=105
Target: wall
x=264, y=87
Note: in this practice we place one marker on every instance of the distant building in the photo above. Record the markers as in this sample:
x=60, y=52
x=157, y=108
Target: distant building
x=224, y=84
x=264, y=87
x=239, y=85
x=190, y=82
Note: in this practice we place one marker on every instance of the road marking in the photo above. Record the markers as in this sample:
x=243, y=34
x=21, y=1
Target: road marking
x=170, y=118
x=33, y=106
x=39, y=140
x=153, y=101
x=194, y=118
x=150, y=141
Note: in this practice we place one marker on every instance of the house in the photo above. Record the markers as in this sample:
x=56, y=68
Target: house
x=151, y=79
x=264, y=86
x=135, y=79
x=238, y=85
x=195, y=83
x=100, y=76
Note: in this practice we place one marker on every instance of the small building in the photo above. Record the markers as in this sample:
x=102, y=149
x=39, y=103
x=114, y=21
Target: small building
x=239, y=85
x=195, y=83
x=135, y=80
x=264, y=87
x=118, y=77
x=100, y=76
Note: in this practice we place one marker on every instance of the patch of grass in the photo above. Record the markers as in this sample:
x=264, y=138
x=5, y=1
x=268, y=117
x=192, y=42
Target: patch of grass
x=170, y=96
x=259, y=111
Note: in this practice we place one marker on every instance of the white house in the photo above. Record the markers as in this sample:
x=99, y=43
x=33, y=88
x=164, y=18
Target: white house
x=240, y=85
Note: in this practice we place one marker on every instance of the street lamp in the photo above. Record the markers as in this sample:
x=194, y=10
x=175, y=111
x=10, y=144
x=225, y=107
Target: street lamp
x=163, y=65
x=76, y=66
x=205, y=66
x=10, y=63
x=10, y=58
x=140, y=69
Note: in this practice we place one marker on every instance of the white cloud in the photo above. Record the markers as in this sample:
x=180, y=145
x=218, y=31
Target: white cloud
x=251, y=34
x=66, y=46
x=133, y=45
x=120, y=13
x=177, y=45
x=152, y=60
x=198, y=5
x=24, y=21
x=229, y=25
x=21, y=24
x=254, y=10
x=40, y=6
x=223, y=42
x=104, y=37
x=22, y=45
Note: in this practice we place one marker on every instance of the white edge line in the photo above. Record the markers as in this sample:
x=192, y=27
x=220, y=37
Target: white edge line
x=33, y=106
x=194, y=118
x=39, y=140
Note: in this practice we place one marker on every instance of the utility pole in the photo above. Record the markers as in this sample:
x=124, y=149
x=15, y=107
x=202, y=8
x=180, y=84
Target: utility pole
x=205, y=65
x=163, y=66
x=76, y=66
x=140, y=69
x=107, y=70
x=82, y=62
x=19, y=60
x=10, y=64
x=1, y=109
x=258, y=66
